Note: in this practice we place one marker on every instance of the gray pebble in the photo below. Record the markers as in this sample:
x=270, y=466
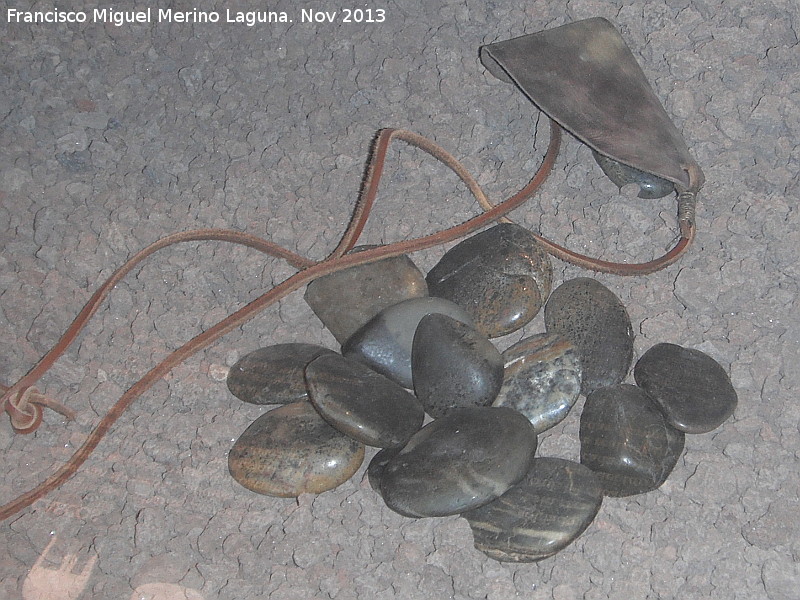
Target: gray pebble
x=346, y=300
x=465, y=459
x=542, y=379
x=274, y=374
x=692, y=389
x=453, y=365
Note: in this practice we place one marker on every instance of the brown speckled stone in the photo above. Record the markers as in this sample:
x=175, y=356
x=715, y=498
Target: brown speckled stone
x=346, y=300
x=292, y=450
x=500, y=276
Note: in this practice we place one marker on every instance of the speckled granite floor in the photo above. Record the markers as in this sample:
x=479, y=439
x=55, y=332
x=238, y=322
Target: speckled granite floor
x=113, y=136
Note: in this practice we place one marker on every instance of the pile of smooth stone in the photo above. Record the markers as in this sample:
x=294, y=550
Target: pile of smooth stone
x=475, y=457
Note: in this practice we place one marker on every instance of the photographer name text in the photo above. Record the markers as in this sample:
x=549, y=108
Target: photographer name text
x=168, y=15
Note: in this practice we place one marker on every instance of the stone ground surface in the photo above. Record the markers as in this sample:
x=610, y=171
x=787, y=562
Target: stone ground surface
x=115, y=136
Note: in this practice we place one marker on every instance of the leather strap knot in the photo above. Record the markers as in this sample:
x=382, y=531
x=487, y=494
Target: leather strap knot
x=24, y=407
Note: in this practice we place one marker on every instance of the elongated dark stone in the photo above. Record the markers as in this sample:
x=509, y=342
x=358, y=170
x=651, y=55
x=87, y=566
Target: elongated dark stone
x=461, y=461
x=361, y=403
x=292, y=450
x=274, y=374
x=591, y=316
x=453, y=365
x=501, y=277
x=627, y=441
x=346, y=300
x=542, y=514
x=692, y=389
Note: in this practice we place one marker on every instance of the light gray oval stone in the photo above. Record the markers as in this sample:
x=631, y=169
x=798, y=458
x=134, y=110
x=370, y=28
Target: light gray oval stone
x=384, y=344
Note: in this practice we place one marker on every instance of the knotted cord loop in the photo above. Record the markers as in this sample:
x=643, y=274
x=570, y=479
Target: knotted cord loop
x=24, y=408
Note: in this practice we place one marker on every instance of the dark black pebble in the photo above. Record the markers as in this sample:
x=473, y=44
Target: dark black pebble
x=692, y=389
x=453, y=365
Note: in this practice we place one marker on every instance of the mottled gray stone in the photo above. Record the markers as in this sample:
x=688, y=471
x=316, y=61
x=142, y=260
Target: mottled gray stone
x=346, y=300
x=384, y=344
x=500, y=276
x=453, y=365
x=692, y=389
x=292, y=450
x=274, y=374
x=542, y=379
x=591, y=316
x=626, y=440
x=459, y=462
x=361, y=403
x=542, y=514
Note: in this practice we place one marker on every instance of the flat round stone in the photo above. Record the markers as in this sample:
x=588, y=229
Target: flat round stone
x=453, y=365
x=292, y=450
x=384, y=344
x=346, y=300
x=542, y=514
x=692, y=389
x=500, y=276
x=626, y=440
x=591, y=316
x=361, y=403
x=461, y=461
x=273, y=375
x=542, y=379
